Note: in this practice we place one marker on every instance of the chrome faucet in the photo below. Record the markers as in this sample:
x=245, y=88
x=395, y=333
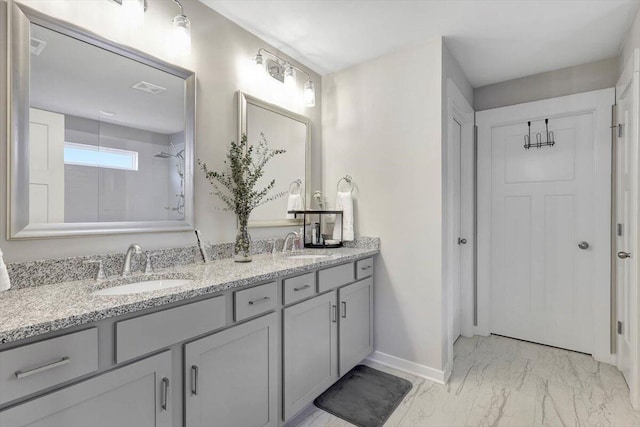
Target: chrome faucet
x=134, y=248
x=286, y=240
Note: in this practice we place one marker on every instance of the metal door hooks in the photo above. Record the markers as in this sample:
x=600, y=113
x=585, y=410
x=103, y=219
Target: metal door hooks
x=550, y=142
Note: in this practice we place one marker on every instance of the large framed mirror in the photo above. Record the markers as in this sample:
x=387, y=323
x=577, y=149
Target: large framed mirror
x=283, y=129
x=101, y=136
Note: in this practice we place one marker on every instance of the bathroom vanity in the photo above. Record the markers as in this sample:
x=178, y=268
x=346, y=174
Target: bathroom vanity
x=239, y=345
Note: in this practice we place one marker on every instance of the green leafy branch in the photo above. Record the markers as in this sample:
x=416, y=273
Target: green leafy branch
x=244, y=167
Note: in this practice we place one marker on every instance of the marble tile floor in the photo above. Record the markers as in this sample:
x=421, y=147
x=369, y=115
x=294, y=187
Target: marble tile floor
x=498, y=381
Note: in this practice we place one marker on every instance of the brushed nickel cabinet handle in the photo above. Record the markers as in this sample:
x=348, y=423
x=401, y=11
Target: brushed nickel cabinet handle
x=366, y=267
x=165, y=393
x=259, y=301
x=624, y=255
x=194, y=380
x=344, y=309
x=334, y=314
x=28, y=373
x=301, y=288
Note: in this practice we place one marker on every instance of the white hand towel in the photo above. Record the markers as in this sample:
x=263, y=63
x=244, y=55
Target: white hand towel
x=4, y=275
x=294, y=203
x=344, y=203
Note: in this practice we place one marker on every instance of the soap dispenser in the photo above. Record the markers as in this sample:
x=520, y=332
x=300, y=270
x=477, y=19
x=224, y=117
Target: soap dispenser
x=5, y=284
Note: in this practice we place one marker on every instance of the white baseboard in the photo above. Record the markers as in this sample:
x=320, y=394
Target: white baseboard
x=413, y=368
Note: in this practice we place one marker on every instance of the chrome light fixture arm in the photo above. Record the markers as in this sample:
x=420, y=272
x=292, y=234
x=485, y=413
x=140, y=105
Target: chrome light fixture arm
x=284, y=71
x=283, y=62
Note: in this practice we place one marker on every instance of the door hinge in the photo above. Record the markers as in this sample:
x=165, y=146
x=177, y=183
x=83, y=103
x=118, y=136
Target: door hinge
x=620, y=128
x=619, y=230
x=620, y=328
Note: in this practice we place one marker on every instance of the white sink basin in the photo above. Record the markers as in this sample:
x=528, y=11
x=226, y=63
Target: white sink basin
x=307, y=256
x=140, y=287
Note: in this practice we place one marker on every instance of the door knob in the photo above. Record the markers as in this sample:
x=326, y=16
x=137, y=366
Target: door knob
x=624, y=255
x=462, y=241
x=583, y=245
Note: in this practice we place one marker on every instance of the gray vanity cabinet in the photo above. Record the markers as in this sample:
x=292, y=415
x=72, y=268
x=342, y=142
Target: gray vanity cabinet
x=231, y=377
x=133, y=395
x=356, y=323
x=310, y=350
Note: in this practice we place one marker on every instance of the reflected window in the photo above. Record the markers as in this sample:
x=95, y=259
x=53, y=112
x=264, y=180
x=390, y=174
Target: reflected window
x=99, y=157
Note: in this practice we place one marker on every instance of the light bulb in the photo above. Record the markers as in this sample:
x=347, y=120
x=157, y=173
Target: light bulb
x=133, y=11
x=181, y=37
x=309, y=94
x=290, y=77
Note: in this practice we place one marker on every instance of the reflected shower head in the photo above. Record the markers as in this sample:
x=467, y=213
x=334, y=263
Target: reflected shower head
x=163, y=155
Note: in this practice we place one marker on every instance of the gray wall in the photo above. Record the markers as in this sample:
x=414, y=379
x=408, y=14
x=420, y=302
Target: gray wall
x=384, y=131
x=221, y=57
x=451, y=69
x=581, y=78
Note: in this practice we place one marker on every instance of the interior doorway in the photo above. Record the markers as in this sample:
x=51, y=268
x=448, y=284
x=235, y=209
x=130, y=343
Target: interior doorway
x=459, y=223
x=625, y=241
x=544, y=222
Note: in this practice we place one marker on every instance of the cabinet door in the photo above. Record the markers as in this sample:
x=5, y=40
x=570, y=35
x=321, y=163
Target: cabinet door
x=231, y=377
x=310, y=351
x=356, y=323
x=134, y=395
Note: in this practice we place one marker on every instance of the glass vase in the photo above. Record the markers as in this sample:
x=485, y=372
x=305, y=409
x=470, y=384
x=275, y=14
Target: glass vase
x=242, y=247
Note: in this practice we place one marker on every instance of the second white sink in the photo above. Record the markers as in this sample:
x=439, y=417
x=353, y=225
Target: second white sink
x=140, y=287
x=307, y=256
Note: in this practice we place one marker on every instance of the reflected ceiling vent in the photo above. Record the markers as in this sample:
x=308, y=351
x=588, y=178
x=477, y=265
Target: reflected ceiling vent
x=37, y=46
x=149, y=88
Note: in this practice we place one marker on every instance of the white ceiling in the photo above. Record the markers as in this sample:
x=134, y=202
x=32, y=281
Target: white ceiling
x=73, y=77
x=493, y=40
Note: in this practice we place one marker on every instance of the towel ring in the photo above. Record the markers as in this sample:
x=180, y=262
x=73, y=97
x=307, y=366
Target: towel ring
x=348, y=180
x=297, y=182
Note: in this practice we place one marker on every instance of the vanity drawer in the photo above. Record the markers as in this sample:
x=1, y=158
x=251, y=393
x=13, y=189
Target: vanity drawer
x=297, y=288
x=334, y=277
x=251, y=302
x=144, y=334
x=364, y=268
x=34, y=367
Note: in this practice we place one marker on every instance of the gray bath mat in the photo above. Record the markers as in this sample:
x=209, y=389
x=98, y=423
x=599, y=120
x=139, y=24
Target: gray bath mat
x=365, y=396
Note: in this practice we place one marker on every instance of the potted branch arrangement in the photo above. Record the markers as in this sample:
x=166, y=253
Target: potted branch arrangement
x=236, y=186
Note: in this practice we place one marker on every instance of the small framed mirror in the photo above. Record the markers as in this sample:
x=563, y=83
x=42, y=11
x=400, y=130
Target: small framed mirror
x=101, y=135
x=286, y=130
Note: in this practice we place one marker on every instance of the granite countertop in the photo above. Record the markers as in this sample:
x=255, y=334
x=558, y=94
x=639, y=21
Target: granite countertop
x=33, y=311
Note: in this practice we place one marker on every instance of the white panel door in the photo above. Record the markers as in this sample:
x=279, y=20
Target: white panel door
x=626, y=172
x=543, y=223
x=456, y=141
x=627, y=92
x=46, y=167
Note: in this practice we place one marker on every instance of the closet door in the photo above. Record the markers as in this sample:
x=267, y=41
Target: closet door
x=549, y=220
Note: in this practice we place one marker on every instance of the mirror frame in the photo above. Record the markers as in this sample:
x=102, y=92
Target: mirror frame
x=18, y=35
x=243, y=101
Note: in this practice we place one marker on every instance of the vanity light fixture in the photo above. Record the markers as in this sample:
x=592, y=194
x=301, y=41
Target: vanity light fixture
x=285, y=72
x=181, y=31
